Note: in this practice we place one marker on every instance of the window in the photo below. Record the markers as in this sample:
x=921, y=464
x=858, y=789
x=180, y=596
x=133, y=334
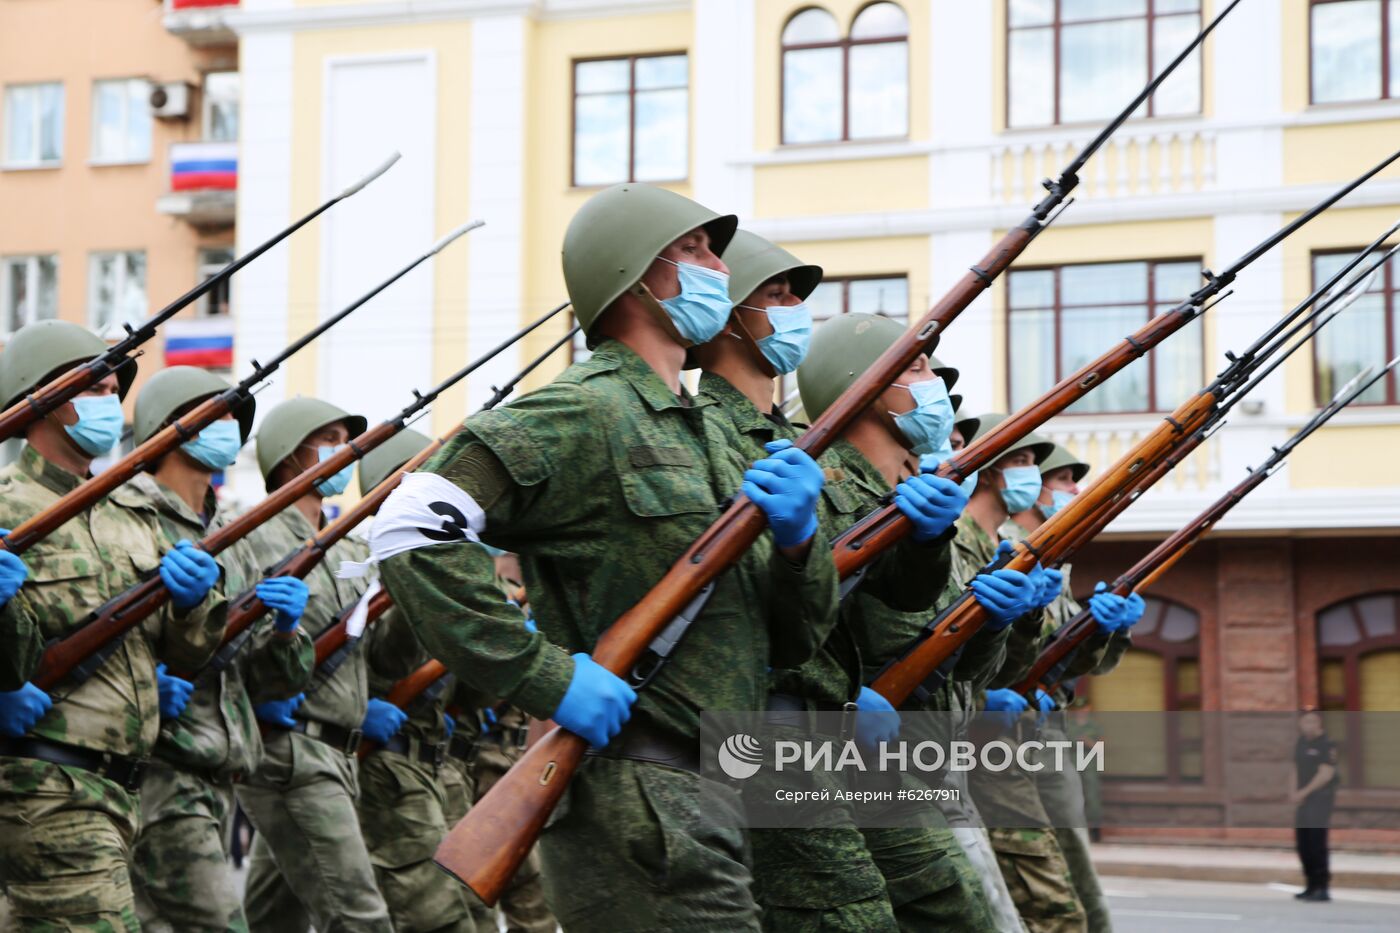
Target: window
x=1061, y=318
x=1365, y=335
x=842, y=88
x=221, y=106
x=116, y=290
x=121, y=121
x=1074, y=61
x=631, y=119
x=219, y=302
x=28, y=291
x=33, y=125
x=1358, y=648
x=1355, y=50
x=873, y=294
x=1160, y=673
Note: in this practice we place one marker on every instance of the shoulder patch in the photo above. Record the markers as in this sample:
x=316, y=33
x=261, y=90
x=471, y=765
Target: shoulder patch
x=481, y=473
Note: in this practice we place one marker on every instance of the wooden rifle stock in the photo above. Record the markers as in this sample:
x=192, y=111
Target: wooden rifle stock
x=335, y=636
x=407, y=690
x=1045, y=545
x=51, y=395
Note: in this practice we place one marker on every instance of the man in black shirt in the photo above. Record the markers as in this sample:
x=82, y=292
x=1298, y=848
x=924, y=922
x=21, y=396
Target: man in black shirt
x=1314, y=791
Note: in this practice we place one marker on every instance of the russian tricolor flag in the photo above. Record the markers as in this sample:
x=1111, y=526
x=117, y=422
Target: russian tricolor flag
x=202, y=166
x=206, y=342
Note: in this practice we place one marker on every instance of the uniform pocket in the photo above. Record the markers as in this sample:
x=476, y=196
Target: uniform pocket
x=58, y=566
x=660, y=488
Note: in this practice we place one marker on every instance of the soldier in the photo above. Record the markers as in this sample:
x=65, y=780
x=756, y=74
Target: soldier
x=1061, y=791
x=401, y=801
x=930, y=879
x=309, y=864
x=600, y=481
x=209, y=738
x=69, y=767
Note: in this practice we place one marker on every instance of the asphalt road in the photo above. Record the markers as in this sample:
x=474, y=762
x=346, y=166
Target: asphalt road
x=1145, y=905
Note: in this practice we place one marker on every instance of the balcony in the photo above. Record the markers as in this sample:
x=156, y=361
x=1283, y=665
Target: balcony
x=200, y=22
x=203, y=183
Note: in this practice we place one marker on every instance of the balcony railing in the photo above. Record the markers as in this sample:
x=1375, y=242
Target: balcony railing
x=203, y=183
x=200, y=22
x=1131, y=164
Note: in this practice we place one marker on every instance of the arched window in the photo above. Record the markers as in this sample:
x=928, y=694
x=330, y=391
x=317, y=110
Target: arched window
x=1358, y=650
x=839, y=87
x=1160, y=673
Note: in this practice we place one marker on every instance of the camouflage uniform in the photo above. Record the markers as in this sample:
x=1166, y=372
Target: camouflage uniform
x=600, y=481
x=66, y=833
x=309, y=864
x=457, y=779
x=403, y=817
x=180, y=861
x=1026, y=847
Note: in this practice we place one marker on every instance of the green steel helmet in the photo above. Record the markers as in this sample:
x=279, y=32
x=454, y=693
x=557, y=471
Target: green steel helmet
x=842, y=348
x=286, y=426
x=1040, y=446
x=618, y=233
x=752, y=260
x=39, y=350
x=1061, y=457
x=948, y=374
x=172, y=389
x=376, y=465
x=966, y=424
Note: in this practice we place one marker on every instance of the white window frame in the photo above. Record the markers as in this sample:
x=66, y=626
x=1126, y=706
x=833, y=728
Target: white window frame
x=34, y=87
x=31, y=273
x=207, y=101
x=94, y=318
x=125, y=157
x=208, y=268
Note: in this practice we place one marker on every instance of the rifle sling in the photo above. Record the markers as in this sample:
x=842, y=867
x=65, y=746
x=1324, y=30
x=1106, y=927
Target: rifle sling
x=664, y=644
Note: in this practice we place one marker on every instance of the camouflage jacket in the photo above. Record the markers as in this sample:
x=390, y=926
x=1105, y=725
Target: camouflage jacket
x=90, y=559
x=388, y=645
x=217, y=732
x=600, y=481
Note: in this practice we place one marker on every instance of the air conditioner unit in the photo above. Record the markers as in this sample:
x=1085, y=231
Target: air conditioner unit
x=171, y=101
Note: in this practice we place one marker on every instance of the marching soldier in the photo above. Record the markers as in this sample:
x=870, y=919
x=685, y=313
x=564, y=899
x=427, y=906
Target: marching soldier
x=309, y=864
x=209, y=738
x=70, y=766
x=402, y=803
x=1061, y=791
x=600, y=481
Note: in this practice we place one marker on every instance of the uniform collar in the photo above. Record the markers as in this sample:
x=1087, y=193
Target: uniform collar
x=617, y=356
x=743, y=412
x=146, y=490
x=49, y=475
x=859, y=468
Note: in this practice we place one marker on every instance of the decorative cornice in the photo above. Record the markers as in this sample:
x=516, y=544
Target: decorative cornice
x=1279, y=510
x=401, y=12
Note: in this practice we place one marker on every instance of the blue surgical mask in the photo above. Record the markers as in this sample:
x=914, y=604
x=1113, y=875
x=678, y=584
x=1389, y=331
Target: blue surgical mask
x=1058, y=500
x=943, y=453
x=930, y=423
x=217, y=445
x=334, y=484
x=702, y=308
x=1022, y=488
x=786, y=347
x=493, y=551
x=99, y=424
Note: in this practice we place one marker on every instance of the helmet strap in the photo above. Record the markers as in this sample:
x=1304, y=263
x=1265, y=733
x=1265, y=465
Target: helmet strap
x=746, y=337
x=650, y=302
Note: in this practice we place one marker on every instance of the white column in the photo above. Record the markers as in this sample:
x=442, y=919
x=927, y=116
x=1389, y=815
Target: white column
x=1246, y=56
x=722, y=90
x=496, y=184
x=960, y=102
x=968, y=343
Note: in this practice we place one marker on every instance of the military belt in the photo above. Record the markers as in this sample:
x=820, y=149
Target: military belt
x=507, y=736
x=637, y=742
x=463, y=747
x=794, y=712
x=415, y=749
x=120, y=770
x=346, y=741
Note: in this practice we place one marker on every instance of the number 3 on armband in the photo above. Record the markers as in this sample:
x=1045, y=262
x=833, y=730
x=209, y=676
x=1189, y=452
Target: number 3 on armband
x=454, y=525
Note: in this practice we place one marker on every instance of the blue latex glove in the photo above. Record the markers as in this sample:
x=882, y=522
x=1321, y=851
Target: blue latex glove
x=1006, y=594
x=1107, y=609
x=786, y=486
x=930, y=502
x=1004, y=706
x=13, y=572
x=449, y=724
x=530, y=623
x=288, y=596
x=1045, y=703
x=188, y=573
x=1132, y=613
x=876, y=720
x=174, y=693
x=280, y=712
x=1049, y=582
x=383, y=721
x=597, y=703
x=21, y=709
